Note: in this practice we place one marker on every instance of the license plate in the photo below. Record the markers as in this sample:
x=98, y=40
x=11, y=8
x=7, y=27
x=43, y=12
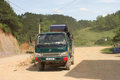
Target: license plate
x=50, y=58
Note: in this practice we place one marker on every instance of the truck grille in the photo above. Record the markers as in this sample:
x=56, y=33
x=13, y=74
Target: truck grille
x=51, y=54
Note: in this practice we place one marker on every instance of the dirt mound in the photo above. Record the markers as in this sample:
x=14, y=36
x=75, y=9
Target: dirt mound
x=8, y=44
x=25, y=62
x=26, y=46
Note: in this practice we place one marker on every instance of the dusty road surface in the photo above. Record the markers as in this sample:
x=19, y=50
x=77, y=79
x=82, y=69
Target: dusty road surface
x=90, y=64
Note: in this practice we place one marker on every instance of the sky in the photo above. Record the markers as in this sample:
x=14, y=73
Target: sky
x=78, y=9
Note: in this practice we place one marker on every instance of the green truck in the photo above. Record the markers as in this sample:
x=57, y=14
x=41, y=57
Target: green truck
x=55, y=47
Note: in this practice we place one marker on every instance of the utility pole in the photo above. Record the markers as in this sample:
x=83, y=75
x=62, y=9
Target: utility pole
x=40, y=25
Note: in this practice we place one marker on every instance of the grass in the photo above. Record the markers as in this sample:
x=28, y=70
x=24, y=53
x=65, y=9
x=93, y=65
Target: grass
x=33, y=60
x=108, y=50
x=86, y=37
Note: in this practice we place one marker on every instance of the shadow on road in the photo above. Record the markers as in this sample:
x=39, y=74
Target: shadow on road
x=117, y=56
x=97, y=69
x=32, y=68
x=47, y=68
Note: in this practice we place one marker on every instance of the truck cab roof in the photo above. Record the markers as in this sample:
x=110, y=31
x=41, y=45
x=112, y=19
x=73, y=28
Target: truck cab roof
x=52, y=32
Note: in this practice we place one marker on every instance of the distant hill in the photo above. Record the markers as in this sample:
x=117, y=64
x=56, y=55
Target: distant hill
x=86, y=37
x=31, y=21
x=85, y=32
x=109, y=22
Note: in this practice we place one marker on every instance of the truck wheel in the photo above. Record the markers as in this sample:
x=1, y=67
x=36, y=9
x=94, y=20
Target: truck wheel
x=41, y=66
x=72, y=60
x=68, y=64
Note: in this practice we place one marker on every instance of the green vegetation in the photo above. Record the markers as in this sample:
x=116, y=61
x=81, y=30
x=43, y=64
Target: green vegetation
x=9, y=21
x=30, y=26
x=116, y=38
x=5, y=28
x=96, y=31
x=31, y=21
x=104, y=41
x=86, y=33
x=86, y=37
x=33, y=60
x=109, y=22
x=107, y=50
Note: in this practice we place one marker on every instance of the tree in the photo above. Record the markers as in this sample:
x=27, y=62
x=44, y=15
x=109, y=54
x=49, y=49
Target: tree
x=9, y=17
x=116, y=38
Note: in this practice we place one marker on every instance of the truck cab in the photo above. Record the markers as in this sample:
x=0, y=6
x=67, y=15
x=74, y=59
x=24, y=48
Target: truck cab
x=54, y=47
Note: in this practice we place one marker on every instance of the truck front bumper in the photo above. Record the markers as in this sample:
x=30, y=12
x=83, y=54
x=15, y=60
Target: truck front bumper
x=40, y=59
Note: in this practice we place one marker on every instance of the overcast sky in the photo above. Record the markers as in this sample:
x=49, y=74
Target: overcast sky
x=78, y=9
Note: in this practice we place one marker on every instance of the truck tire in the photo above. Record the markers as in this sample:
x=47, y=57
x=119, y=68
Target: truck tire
x=72, y=60
x=72, y=57
x=68, y=64
x=41, y=66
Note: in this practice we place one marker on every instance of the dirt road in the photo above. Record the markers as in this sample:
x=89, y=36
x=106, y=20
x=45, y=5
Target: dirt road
x=90, y=64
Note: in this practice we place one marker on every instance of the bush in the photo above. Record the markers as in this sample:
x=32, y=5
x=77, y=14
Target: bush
x=33, y=60
x=107, y=50
x=104, y=41
x=116, y=38
x=5, y=28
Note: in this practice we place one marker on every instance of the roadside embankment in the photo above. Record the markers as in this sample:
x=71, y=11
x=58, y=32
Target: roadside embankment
x=8, y=44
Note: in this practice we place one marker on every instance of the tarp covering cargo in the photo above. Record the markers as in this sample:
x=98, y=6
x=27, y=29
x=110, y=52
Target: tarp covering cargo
x=58, y=28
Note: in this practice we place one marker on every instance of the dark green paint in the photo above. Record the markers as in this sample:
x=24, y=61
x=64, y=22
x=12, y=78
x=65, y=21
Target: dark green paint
x=51, y=50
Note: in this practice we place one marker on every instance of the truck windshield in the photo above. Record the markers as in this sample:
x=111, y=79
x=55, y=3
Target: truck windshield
x=48, y=39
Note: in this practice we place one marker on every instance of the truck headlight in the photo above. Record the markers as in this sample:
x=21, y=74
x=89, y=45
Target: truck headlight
x=64, y=54
x=38, y=54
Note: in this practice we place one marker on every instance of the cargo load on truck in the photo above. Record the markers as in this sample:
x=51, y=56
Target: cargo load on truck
x=59, y=28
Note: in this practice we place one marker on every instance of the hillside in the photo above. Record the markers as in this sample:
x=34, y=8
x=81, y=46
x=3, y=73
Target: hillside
x=86, y=33
x=86, y=37
x=8, y=44
x=9, y=26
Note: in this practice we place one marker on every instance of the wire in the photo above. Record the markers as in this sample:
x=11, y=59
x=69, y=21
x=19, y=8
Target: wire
x=68, y=4
x=65, y=6
x=73, y=1
x=17, y=10
x=16, y=5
